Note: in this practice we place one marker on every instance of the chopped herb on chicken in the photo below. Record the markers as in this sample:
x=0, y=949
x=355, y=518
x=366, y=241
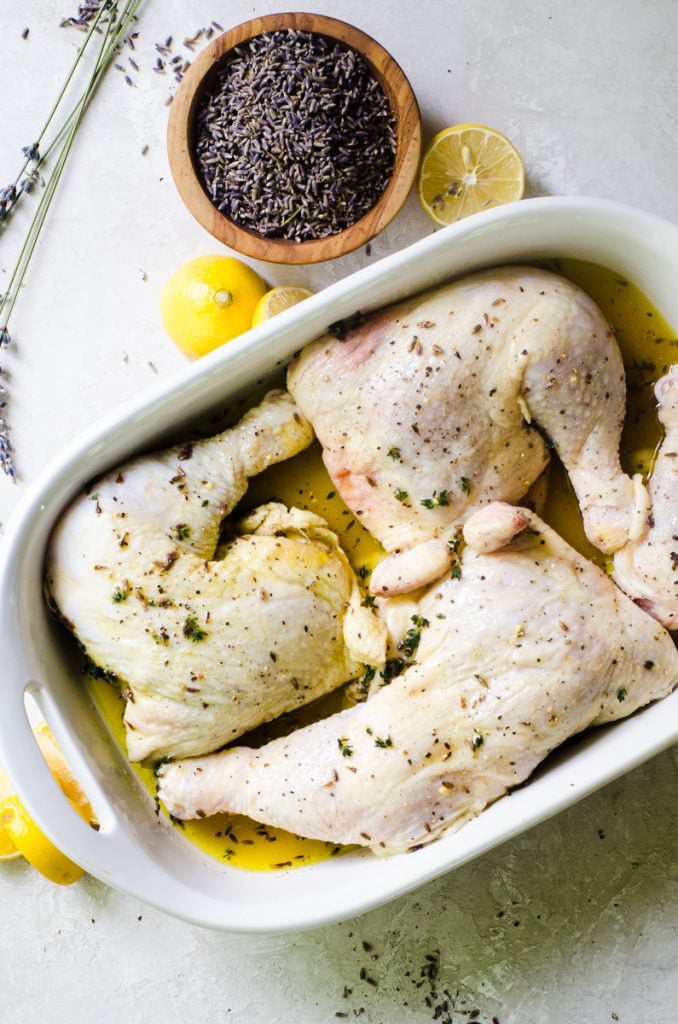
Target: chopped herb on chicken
x=192, y=630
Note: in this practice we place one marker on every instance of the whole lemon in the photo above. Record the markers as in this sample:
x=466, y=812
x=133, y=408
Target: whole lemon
x=208, y=301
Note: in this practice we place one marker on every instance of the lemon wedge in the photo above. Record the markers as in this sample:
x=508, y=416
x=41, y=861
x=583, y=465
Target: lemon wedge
x=277, y=301
x=34, y=845
x=19, y=834
x=62, y=773
x=468, y=168
x=8, y=850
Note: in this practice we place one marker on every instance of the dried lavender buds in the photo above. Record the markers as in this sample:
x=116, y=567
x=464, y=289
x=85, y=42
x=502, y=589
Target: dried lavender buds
x=294, y=137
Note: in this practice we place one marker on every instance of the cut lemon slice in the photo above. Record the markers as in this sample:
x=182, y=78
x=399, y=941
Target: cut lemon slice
x=466, y=169
x=8, y=850
x=19, y=834
x=34, y=845
x=277, y=301
x=62, y=773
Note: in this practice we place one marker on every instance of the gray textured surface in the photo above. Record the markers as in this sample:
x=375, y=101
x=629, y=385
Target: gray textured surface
x=577, y=921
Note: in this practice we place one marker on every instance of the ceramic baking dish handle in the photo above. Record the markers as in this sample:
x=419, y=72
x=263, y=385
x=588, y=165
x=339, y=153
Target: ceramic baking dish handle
x=41, y=794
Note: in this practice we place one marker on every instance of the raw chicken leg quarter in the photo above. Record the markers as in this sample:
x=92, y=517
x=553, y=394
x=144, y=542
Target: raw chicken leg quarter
x=207, y=647
x=647, y=569
x=445, y=402
x=532, y=644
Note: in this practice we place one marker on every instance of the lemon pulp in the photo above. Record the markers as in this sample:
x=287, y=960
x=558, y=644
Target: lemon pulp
x=468, y=168
x=277, y=301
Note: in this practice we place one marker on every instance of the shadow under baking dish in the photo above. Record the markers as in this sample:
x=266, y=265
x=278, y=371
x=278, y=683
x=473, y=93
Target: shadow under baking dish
x=145, y=856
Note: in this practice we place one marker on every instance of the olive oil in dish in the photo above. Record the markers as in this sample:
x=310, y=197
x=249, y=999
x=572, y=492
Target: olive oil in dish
x=648, y=346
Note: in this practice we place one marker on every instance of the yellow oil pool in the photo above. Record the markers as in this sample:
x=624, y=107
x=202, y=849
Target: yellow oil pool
x=648, y=346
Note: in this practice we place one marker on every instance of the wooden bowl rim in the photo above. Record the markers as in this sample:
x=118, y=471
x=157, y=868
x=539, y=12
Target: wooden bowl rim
x=408, y=142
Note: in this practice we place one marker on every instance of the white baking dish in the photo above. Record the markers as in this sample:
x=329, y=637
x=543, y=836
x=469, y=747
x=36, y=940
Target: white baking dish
x=149, y=859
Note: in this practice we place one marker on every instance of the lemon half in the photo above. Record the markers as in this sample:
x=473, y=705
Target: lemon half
x=19, y=834
x=8, y=850
x=468, y=168
x=277, y=301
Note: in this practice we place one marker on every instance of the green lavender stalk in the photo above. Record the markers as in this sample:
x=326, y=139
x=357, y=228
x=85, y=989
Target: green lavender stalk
x=113, y=32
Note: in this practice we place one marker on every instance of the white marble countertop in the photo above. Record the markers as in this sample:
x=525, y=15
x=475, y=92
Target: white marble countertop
x=576, y=921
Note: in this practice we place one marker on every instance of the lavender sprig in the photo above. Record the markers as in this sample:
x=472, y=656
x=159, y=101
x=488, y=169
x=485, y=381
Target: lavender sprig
x=6, y=449
x=26, y=178
x=115, y=27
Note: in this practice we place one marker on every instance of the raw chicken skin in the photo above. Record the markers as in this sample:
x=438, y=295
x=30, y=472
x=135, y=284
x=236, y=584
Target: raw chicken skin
x=647, y=569
x=530, y=646
x=207, y=649
x=429, y=411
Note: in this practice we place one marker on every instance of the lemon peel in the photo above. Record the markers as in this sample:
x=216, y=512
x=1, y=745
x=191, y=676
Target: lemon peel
x=209, y=301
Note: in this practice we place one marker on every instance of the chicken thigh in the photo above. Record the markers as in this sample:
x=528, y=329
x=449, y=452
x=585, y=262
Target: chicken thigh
x=528, y=645
x=208, y=648
x=430, y=410
x=647, y=569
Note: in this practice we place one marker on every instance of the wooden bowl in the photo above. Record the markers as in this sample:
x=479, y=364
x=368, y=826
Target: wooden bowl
x=278, y=250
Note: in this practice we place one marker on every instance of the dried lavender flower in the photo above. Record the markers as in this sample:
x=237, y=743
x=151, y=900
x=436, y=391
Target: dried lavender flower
x=294, y=137
x=31, y=152
x=6, y=449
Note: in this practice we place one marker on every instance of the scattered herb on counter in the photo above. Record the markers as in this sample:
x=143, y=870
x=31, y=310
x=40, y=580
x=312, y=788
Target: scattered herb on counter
x=342, y=328
x=295, y=137
x=440, y=1002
